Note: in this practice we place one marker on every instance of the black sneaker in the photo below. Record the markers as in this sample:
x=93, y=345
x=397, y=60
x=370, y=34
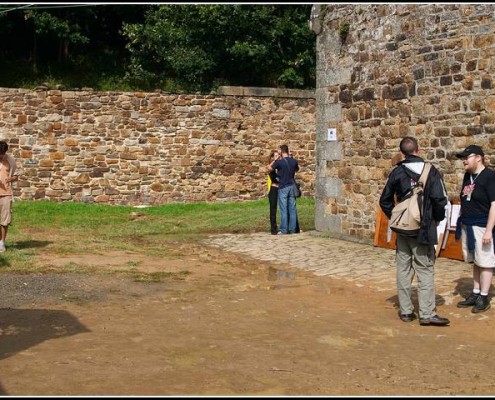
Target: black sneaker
x=482, y=304
x=469, y=301
x=407, y=317
x=434, y=320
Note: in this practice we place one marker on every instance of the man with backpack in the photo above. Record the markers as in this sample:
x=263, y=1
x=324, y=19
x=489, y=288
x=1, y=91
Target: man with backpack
x=415, y=251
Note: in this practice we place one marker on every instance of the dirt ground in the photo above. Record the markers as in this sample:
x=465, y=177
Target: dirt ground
x=222, y=324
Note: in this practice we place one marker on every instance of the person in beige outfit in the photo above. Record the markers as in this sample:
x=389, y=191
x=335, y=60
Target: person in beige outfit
x=7, y=171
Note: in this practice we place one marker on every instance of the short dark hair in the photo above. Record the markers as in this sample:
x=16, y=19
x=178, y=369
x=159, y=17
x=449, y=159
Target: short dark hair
x=408, y=145
x=3, y=147
x=284, y=148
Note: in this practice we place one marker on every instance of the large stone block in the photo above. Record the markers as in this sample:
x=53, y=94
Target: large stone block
x=325, y=222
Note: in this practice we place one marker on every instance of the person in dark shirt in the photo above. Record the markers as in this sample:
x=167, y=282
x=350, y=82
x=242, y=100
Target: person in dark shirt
x=273, y=182
x=273, y=192
x=475, y=225
x=415, y=255
x=286, y=167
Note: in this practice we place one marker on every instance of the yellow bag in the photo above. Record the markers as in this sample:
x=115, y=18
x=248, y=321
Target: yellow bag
x=268, y=182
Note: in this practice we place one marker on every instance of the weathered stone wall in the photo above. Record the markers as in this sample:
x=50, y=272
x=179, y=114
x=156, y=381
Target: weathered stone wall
x=424, y=70
x=154, y=148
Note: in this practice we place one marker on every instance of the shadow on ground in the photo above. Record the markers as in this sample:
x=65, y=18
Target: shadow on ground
x=439, y=300
x=464, y=286
x=22, y=329
x=29, y=244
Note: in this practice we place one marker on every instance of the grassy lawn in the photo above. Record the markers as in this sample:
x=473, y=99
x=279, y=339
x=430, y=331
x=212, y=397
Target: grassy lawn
x=72, y=228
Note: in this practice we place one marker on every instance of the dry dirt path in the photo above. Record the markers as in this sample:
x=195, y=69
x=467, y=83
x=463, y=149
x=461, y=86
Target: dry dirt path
x=232, y=319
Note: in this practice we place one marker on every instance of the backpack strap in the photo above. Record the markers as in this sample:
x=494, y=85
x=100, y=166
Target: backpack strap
x=290, y=170
x=424, y=174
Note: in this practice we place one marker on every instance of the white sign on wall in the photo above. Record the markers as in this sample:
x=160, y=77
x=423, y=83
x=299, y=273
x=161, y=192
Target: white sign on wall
x=332, y=134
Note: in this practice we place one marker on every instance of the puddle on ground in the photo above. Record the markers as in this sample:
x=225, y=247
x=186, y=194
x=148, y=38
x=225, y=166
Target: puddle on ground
x=276, y=274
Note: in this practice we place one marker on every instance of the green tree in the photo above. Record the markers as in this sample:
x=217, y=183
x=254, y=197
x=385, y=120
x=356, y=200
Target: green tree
x=181, y=46
x=74, y=45
x=65, y=28
x=196, y=47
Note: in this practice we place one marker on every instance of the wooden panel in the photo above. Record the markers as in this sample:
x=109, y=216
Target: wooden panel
x=452, y=248
x=381, y=228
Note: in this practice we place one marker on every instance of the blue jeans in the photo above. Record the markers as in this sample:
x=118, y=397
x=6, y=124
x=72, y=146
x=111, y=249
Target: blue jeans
x=287, y=206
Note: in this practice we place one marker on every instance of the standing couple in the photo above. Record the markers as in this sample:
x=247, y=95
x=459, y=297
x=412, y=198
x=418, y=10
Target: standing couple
x=281, y=170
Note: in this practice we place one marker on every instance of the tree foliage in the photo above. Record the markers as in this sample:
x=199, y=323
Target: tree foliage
x=197, y=46
x=151, y=46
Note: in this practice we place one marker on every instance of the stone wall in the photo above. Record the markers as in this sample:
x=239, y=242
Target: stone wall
x=424, y=70
x=154, y=148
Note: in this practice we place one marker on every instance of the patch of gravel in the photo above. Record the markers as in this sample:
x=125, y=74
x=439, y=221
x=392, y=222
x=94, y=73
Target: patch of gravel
x=18, y=289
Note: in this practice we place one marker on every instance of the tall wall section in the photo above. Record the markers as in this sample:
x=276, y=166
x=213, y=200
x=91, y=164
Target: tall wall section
x=154, y=148
x=391, y=70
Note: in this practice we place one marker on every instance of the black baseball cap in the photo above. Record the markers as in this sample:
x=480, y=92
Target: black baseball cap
x=473, y=149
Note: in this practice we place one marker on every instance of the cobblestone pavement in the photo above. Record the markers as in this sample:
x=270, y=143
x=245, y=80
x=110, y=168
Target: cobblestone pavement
x=363, y=264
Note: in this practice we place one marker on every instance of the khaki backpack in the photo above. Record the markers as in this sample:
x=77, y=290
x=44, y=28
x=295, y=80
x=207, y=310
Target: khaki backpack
x=407, y=214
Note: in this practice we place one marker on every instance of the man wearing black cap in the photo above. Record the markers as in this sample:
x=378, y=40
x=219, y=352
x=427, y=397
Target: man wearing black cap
x=475, y=225
x=416, y=254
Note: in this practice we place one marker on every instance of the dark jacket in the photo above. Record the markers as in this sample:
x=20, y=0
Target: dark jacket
x=434, y=197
